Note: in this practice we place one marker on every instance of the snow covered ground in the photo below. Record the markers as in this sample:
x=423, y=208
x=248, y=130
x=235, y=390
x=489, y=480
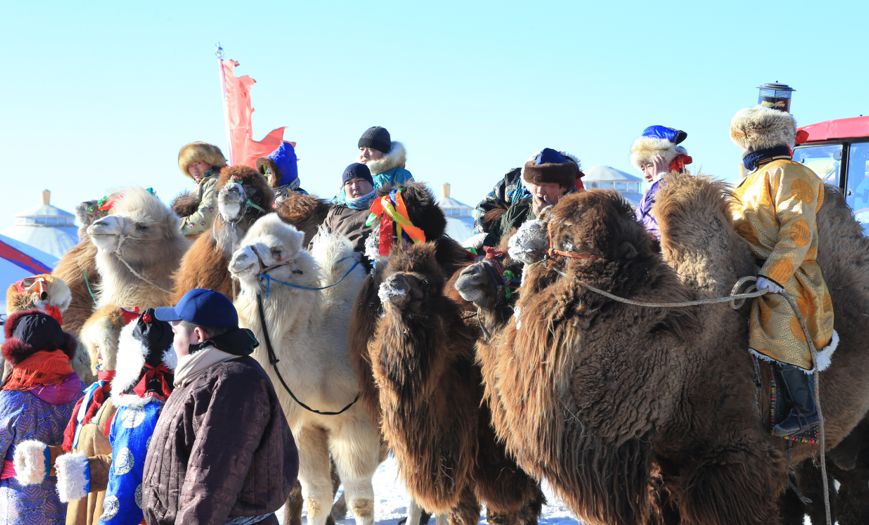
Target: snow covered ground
x=391, y=501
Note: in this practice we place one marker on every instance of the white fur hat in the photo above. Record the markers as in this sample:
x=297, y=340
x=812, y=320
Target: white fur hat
x=657, y=140
x=759, y=127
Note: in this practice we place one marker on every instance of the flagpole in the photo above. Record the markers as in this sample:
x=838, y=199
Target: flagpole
x=219, y=53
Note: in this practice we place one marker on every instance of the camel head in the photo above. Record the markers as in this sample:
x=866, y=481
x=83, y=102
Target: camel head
x=138, y=229
x=597, y=225
x=479, y=283
x=411, y=279
x=244, y=195
x=274, y=247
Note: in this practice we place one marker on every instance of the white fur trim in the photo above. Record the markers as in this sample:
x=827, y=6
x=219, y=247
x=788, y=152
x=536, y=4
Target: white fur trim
x=131, y=357
x=759, y=127
x=760, y=356
x=29, y=461
x=825, y=355
x=73, y=476
x=645, y=149
x=396, y=158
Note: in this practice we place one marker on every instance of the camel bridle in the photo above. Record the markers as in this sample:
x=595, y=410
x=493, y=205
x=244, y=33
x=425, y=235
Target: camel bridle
x=264, y=276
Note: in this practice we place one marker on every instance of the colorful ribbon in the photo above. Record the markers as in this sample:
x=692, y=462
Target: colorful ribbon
x=392, y=210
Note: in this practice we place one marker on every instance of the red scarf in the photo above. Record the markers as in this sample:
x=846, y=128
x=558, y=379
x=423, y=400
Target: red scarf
x=97, y=399
x=156, y=381
x=40, y=369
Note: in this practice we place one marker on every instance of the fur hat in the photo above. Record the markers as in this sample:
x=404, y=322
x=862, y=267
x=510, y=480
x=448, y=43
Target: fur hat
x=551, y=166
x=144, y=341
x=758, y=128
x=281, y=166
x=32, y=331
x=200, y=151
x=657, y=140
x=376, y=137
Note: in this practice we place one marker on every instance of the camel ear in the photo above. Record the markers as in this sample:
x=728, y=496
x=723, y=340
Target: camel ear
x=627, y=251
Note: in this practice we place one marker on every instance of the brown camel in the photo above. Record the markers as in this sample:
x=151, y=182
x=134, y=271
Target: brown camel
x=424, y=213
x=602, y=398
x=304, y=212
x=843, y=255
x=444, y=444
x=137, y=247
x=244, y=196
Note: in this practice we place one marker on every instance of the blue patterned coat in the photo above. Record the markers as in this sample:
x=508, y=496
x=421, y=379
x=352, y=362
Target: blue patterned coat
x=40, y=414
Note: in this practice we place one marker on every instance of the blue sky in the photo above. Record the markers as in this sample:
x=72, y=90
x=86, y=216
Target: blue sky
x=97, y=96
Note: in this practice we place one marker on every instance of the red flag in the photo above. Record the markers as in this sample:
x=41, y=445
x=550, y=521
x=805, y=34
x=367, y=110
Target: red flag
x=243, y=149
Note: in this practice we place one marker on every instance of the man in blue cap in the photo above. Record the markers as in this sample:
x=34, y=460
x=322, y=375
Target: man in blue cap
x=222, y=451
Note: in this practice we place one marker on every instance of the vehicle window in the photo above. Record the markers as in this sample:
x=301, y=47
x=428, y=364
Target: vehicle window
x=857, y=192
x=825, y=160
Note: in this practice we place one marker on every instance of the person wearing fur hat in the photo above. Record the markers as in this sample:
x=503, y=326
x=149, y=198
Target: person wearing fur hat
x=139, y=390
x=657, y=152
x=222, y=451
x=201, y=162
x=384, y=157
x=35, y=403
x=775, y=210
x=548, y=175
x=349, y=218
x=281, y=169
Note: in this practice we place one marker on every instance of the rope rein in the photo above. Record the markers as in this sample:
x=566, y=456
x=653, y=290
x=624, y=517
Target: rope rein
x=736, y=300
x=273, y=360
x=117, y=254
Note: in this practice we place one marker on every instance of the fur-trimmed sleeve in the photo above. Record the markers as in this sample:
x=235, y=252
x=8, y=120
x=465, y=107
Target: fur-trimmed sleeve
x=200, y=220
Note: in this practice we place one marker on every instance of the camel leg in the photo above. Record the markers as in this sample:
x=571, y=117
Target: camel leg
x=356, y=452
x=467, y=510
x=719, y=488
x=314, y=474
x=293, y=507
x=339, y=508
x=414, y=512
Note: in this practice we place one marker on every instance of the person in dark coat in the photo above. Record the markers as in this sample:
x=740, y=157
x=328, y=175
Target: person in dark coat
x=548, y=175
x=349, y=218
x=222, y=452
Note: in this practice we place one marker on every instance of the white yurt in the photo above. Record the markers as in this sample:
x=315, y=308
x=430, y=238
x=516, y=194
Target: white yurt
x=47, y=228
x=460, y=216
x=609, y=178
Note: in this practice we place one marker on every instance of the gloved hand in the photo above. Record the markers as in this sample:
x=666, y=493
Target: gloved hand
x=765, y=284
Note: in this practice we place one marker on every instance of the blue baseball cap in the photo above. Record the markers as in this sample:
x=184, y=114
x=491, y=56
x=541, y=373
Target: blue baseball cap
x=201, y=307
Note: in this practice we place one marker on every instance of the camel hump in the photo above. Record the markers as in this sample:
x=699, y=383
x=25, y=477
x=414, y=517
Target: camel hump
x=333, y=254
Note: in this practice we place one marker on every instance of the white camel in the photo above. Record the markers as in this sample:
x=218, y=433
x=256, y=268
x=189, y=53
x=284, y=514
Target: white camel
x=308, y=331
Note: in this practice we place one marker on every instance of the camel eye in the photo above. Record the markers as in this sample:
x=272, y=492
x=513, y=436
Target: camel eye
x=276, y=253
x=141, y=227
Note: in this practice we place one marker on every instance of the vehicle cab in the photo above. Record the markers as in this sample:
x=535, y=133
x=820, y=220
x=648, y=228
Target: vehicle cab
x=838, y=151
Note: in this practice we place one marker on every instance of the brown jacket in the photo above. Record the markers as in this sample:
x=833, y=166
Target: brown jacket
x=222, y=449
x=350, y=223
x=93, y=442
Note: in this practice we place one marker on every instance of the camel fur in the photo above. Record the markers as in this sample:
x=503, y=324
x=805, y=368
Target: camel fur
x=138, y=245
x=427, y=215
x=446, y=451
x=308, y=331
x=305, y=212
x=243, y=197
x=590, y=394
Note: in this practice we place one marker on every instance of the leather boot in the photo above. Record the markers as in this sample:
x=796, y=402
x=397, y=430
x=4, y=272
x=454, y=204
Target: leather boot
x=803, y=415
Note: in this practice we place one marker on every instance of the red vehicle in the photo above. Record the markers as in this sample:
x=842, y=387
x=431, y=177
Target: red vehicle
x=838, y=151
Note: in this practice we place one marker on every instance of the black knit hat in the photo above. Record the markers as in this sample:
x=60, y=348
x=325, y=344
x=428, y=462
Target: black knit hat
x=31, y=331
x=155, y=336
x=357, y=170
x=376, y=137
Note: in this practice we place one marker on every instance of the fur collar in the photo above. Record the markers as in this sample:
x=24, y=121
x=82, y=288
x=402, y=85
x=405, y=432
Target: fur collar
x=396, y=158
x=760, y=127
x=131, y=359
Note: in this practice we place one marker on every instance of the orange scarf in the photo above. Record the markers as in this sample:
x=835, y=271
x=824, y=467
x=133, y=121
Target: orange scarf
x=40, y=369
